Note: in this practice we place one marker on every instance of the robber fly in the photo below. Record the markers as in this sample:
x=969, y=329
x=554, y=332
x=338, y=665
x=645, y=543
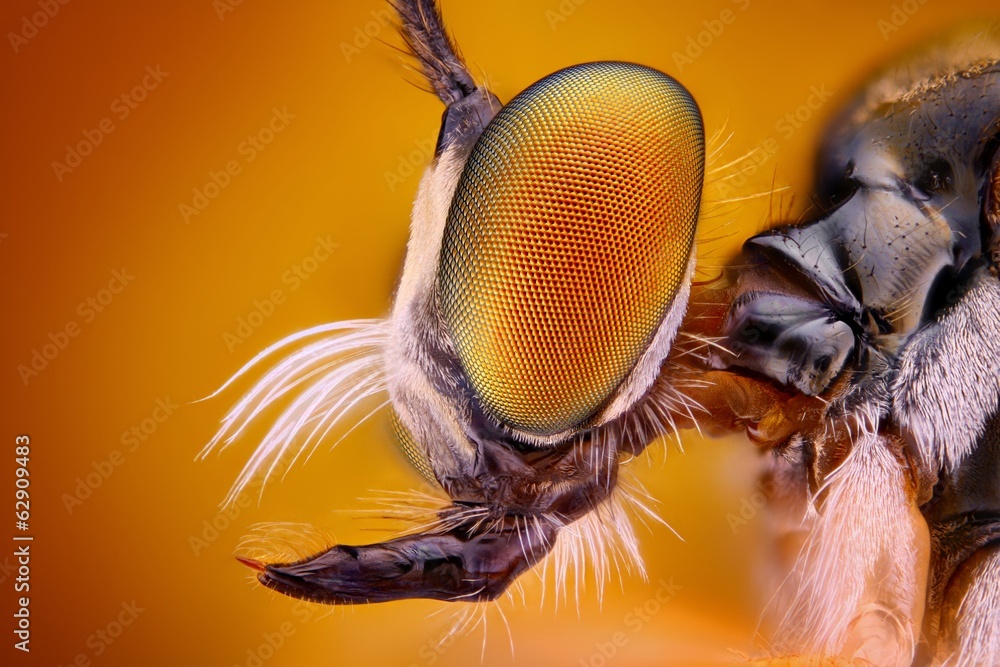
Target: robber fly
x=887, y=307
x=545, y=329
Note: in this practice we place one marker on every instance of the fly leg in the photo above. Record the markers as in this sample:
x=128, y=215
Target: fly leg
x=970, y=613
x=962, y=623
x=857, y=586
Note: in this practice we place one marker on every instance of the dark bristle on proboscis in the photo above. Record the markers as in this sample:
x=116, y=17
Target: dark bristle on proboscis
x=423, y=30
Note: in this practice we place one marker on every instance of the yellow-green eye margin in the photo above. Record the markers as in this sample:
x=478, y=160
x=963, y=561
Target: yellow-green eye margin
x=411, y=448
x=568, y=238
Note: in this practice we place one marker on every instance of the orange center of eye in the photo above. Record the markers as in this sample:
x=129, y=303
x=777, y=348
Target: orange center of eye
x=568, y=238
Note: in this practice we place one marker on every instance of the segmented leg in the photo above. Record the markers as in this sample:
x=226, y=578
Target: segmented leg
x=857, y=587
x=970, y=612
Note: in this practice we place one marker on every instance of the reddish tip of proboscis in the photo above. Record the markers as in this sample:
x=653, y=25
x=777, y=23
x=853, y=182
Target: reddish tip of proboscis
x=251, y=563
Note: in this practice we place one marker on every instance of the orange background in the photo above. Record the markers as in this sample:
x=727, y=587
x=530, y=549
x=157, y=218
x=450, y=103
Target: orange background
x=356, y=119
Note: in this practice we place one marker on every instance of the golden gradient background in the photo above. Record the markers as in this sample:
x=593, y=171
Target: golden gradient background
x=357, y=119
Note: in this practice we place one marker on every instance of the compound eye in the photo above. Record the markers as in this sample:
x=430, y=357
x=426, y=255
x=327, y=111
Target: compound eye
x=568, y=238
x=412, y=449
